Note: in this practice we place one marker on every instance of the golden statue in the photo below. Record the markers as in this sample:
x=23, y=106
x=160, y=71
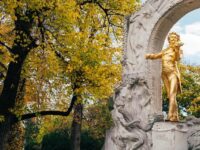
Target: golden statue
x=170, y=73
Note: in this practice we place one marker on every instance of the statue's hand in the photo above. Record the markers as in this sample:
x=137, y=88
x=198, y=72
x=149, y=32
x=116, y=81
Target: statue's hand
x=179, y=44
x=147, y=56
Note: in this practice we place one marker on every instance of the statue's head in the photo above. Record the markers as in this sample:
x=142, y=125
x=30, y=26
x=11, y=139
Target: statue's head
x=174, y=39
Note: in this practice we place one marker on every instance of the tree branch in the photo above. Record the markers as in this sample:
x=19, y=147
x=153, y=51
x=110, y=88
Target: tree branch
x=86, y=2
x=6, y=46
x=41, y=113
x=60, y=55
x=3, y=66
x=16, y=119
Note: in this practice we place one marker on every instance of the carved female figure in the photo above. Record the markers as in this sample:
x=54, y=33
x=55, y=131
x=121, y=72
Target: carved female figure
x=170, y=73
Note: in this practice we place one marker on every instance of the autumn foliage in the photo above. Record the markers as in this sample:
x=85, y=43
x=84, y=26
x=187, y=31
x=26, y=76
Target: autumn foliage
x=56, y=55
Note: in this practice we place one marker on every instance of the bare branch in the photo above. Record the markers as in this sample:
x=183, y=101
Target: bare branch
x=6, y=46
x=119, y=26
x=112, y=13
x=60, y=55
x=3, y=66
x=85, y=2
x=45, y=113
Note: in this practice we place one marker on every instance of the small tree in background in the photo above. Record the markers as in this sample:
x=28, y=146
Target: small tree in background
x=188, y=100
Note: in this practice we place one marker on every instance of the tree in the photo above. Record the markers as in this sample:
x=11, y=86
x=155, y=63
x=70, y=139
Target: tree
x=192, y=95
x=97, y=119
x=30, y=24
x=77, y=33
x=98, y=70
x=19, y=49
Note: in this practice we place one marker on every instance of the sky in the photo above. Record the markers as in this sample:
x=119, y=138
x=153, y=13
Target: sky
x=188, y=27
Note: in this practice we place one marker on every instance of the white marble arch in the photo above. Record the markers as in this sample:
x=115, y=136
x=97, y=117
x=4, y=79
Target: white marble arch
x=145, y=32
x=138, y=98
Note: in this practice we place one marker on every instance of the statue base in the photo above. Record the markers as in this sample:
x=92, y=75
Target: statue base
x=163, y=135
x=175, y=136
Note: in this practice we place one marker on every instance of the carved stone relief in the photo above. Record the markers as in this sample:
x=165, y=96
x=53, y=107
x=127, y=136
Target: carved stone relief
x=131, y=102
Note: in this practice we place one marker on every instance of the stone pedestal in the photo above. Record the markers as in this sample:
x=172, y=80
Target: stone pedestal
x=170, y=136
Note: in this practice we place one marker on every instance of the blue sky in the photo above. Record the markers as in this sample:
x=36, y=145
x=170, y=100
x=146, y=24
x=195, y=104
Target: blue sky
x=189, y=29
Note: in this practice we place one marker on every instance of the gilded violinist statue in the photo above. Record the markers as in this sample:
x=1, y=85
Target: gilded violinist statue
x=170, y=73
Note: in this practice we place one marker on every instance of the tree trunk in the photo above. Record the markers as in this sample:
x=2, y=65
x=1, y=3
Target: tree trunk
x=4, y=132
x=16, y=137
x=20, y=49
x=8, y=99
x=11, y=83
x=76, y=127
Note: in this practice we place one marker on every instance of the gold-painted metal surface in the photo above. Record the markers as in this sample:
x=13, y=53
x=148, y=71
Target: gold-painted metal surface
x=170, y=72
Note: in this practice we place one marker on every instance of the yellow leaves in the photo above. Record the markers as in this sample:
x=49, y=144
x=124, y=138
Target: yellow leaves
x=28, y=98
x=6, y=38
x=4, y=29
x=66, y=12
x=126, y=6
x=103, y=78
x=97, y=61
x=53, y=64
x=87, y=69
x=9, y=6
x=69, y=69
x=195, y=106
x=83, y=34
x=2, y=118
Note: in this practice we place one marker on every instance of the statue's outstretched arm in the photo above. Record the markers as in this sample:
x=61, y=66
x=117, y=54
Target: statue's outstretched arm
x=154, y=56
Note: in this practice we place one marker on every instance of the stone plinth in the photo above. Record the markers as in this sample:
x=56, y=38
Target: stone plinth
x=170, y=136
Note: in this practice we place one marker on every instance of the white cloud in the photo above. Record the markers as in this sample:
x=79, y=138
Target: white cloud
x=191, y=39
x=177, y=28
x=191, y=44
x=193, y=28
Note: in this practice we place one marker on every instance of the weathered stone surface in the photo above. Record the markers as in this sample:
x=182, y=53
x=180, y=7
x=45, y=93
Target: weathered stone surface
x=137, y=102
x=131, y=102
x=176, y=135
x=193, y=138
x=169, y=136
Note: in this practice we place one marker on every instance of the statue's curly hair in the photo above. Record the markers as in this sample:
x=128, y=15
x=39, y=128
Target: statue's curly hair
x=174, y=33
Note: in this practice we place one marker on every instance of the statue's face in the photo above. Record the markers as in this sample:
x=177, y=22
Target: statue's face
x=173, y=40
